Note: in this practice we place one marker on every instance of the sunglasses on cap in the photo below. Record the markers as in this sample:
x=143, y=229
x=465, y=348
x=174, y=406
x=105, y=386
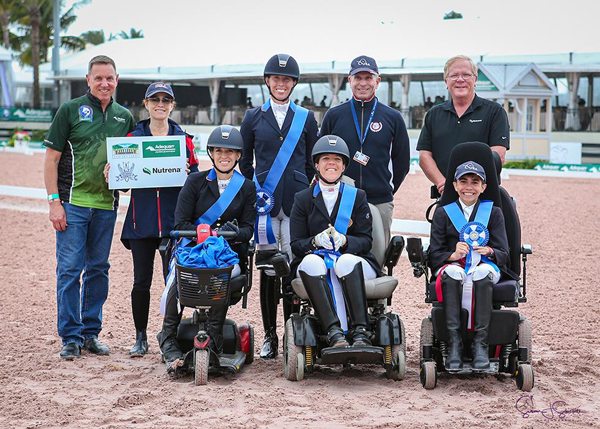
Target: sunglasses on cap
x=165, y=100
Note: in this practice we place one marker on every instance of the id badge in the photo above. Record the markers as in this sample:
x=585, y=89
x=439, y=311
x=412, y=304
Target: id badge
x=361, y=158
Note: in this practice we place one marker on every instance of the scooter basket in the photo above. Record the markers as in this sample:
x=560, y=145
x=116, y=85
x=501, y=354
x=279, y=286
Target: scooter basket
x=203, y=287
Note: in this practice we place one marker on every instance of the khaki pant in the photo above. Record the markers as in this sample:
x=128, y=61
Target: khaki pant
x=386, y=210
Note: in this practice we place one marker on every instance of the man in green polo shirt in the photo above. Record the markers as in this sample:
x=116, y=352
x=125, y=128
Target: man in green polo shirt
x=82, y=209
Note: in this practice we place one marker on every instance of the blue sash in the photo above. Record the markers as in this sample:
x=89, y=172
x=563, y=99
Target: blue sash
x=342, y=221
x=263, y=231
x=458, y=220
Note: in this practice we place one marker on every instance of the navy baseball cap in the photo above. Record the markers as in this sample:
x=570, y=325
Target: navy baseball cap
x=363, y=63
x=157, y=87
x=469, y=167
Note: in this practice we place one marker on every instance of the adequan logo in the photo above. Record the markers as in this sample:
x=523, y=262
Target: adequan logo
x=475, y=120
x=118, y=119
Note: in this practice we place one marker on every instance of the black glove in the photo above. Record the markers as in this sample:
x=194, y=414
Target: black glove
x=231, y=226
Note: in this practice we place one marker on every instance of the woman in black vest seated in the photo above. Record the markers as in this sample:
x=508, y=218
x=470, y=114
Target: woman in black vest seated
x=200, y=192
x=331, y=227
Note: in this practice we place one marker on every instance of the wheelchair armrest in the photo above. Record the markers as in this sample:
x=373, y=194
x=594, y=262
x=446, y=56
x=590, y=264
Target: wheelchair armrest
x=414, y=248
x=526, y=249
x=393, y=252
x=165, y=244
x=251, y=246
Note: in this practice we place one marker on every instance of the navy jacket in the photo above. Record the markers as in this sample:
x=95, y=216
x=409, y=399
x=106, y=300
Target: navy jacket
x=262, y=140
x=150, y=212
x=199, y=194
x=387, y=145
x=309, y=218
x=444, y=238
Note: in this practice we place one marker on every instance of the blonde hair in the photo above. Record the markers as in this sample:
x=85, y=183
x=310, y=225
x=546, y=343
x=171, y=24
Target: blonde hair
x=456, y=59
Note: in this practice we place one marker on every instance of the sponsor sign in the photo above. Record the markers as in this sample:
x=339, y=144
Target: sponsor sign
x=26, y=115
x=585, y=168
x=146, y=162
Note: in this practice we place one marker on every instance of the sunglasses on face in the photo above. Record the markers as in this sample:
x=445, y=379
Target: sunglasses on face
x=165, y=100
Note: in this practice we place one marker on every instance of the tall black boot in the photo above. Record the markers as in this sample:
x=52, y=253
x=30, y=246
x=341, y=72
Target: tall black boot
x=167, y=338
x=483, y=313
x=452, y=300
x=322, y=302
x=268, y=307
x=140, y=306
x=356, y=302
x=216, y=319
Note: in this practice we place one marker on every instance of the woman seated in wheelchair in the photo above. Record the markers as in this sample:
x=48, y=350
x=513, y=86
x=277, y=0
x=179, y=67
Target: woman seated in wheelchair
x=224, y=199
x=468, y=249
x=331, y=239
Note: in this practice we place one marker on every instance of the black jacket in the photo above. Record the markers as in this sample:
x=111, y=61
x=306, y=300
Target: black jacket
x=199, y=194
x=309, y=218
x=386, y=143
x=262, y=140
x=444, y=237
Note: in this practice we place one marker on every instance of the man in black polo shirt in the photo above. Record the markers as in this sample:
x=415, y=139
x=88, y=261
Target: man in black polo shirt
x=464, y=118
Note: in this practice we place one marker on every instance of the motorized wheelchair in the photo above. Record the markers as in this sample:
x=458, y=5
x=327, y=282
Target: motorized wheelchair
x=305, y=343
x=510, y=334
x=201, y=289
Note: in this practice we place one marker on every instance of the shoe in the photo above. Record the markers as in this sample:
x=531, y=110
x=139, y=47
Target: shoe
x=263, y=259
x=140, y=348
x=270, y=348
x=452, y=295
x=70, y=351
x=280, y=265
x=171, y=353
x=94, y=346
x=336, y=337
x=360, y=338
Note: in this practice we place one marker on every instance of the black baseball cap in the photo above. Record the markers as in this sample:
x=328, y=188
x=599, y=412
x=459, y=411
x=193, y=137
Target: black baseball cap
x=157, y=87
x=469, y=167
x=363, y=63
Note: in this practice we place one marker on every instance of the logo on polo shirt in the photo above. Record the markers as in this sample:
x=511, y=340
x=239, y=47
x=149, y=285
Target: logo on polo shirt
x=376, y=126
x=118, y=119
x=475, y=120
x=86, y=114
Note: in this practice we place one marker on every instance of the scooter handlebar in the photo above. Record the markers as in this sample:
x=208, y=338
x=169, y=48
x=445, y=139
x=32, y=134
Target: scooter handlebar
x=192, y=234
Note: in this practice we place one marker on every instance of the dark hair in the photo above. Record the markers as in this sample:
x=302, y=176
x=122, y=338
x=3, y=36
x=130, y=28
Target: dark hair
x=101, y=59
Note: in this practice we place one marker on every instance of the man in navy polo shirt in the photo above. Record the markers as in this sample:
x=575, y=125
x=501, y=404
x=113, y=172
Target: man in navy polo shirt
x=464, y=118
x=376, y=136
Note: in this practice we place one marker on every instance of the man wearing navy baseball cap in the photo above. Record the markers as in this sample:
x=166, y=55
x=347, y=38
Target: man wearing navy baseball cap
x=376, y=136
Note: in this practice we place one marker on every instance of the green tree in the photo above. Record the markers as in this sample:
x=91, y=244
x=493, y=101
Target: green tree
x=133, y=34
x=97, y=37
x=7, y=17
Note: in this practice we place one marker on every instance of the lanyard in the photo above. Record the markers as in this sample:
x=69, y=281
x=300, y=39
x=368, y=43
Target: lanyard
x=362, y=138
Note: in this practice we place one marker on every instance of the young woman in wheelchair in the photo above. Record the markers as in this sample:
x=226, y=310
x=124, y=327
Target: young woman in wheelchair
x=224, y=199
x=331, y=238
x=468, y=249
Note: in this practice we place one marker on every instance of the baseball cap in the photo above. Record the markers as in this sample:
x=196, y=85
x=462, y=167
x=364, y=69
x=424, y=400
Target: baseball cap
x=469, y=167
x=157, y=87
x=363, y=63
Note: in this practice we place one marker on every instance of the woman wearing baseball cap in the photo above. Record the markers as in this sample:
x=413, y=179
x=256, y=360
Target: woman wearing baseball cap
x=150, y=215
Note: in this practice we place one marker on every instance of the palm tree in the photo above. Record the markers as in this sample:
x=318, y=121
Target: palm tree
x=97, y=37
x=7, y=17
x=133, y=34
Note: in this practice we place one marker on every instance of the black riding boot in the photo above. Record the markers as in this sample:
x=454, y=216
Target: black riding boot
x=483, y=313
x=356, y=302
x=140, y=306
x=322, y=302
x=268, y=307
x=167, y=338
x=452, y=300
x=216, y=319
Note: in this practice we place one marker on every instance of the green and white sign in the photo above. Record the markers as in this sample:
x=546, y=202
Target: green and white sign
x=146, y=162
x=484, y=83
x=26, y=115
x=584, y=168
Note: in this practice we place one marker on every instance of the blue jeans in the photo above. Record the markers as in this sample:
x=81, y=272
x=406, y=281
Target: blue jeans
x=83, y=246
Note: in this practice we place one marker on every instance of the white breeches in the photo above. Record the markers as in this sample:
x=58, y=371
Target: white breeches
x=481, y=271
x=314, y=265
x=281, y=230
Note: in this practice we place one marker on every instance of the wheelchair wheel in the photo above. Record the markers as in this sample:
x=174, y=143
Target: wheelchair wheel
x=524, y=377
x=426, y=337
x=201, y=367
x=525, y=336
x=247, y=341
x=293, y=359
x=428, y=375
x=398, y=372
